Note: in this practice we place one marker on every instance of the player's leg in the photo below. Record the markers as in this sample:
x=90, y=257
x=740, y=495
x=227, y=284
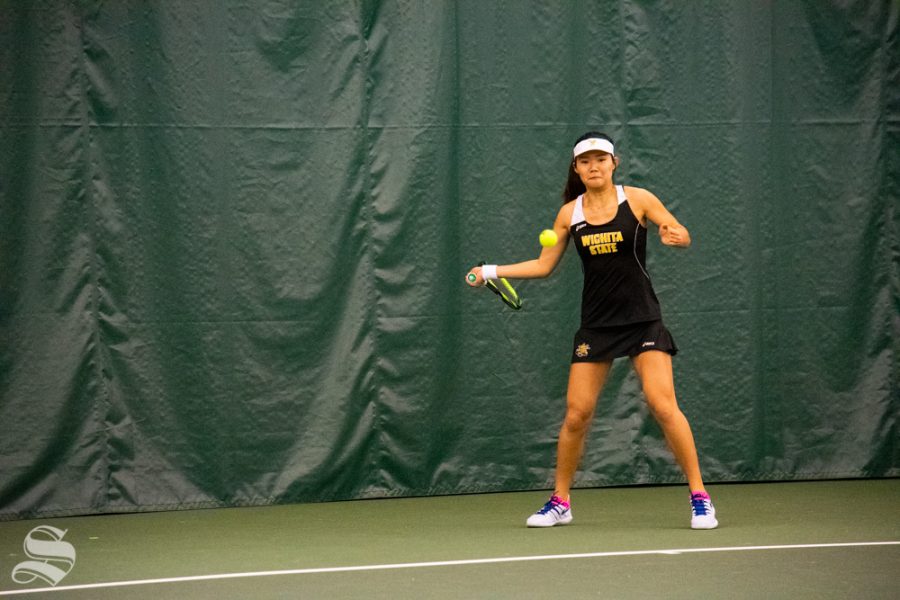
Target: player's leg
x=654, y=368
x=585, y=383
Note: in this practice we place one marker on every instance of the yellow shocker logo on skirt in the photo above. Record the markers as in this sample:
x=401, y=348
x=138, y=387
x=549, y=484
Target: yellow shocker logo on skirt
x=582, y=350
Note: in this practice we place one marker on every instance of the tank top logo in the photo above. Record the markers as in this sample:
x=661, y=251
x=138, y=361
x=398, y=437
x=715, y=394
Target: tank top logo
x=602, y=243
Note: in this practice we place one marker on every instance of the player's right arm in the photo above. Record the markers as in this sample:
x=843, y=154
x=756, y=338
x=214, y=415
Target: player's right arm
x=546, y=262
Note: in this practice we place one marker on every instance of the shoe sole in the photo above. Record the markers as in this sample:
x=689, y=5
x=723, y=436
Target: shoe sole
x=713, y=525
x=541, y=525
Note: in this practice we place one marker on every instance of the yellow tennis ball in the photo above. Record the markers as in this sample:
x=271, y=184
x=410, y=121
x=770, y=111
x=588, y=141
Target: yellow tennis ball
x=548, y=238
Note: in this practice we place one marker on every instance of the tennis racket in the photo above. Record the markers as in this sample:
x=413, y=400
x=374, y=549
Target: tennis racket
x=502, y=288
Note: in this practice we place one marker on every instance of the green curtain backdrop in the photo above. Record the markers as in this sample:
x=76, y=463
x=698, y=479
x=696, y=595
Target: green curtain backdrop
x=233, y=238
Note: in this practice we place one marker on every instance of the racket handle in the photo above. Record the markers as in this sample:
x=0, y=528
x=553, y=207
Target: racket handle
x=471, y=277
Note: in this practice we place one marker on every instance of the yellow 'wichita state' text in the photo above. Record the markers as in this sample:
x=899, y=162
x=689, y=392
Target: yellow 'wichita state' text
x=602, y=243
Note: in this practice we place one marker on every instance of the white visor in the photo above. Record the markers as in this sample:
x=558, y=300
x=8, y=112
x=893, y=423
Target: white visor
x=594, y=144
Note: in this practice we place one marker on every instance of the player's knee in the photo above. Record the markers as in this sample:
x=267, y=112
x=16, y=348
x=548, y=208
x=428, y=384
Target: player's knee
x=664, y=408
x=578, y=419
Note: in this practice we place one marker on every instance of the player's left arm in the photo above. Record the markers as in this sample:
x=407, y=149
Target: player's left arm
x=671, y=232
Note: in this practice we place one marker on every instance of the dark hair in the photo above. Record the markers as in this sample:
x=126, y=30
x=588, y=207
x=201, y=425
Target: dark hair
x=574, y=185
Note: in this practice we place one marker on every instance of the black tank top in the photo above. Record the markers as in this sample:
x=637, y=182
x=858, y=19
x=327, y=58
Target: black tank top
x=617, y=288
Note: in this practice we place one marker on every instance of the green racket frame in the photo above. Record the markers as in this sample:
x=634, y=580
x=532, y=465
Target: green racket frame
x=505, y=290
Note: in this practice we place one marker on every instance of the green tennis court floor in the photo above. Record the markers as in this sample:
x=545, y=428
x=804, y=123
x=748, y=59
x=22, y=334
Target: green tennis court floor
x=827, y=539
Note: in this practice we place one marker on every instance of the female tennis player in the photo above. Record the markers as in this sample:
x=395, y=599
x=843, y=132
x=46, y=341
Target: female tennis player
x=620, y=315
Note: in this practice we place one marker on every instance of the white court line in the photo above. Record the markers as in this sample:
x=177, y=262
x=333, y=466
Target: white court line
x=440, y=563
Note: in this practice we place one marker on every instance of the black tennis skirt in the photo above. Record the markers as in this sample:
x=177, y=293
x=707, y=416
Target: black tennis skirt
x=607, y=343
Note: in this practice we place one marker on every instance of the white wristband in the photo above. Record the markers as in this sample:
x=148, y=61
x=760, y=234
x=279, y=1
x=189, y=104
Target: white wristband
x=488, y=272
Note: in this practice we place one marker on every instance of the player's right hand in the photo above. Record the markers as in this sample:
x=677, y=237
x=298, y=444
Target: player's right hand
x=479, y=280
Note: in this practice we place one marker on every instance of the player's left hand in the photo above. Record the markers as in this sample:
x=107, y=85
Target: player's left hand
x=674, y=235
